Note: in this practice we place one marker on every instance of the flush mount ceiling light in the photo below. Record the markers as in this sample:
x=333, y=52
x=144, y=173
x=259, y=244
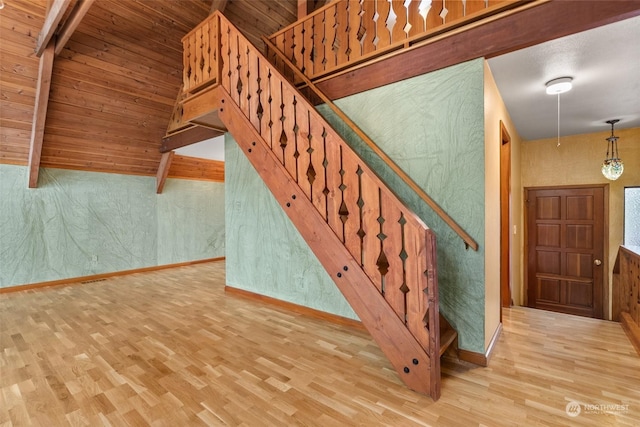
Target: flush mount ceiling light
x=612, y=167
x=556, y=87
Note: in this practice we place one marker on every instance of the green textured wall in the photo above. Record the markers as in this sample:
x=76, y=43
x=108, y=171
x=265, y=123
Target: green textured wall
x=55, y=231
x=433, y=127
x=265, y=254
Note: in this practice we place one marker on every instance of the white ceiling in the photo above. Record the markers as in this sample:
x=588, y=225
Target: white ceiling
x=212, y=149
x=605, y=66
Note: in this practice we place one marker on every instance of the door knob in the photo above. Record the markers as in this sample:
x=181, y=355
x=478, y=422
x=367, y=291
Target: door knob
x=597, y=262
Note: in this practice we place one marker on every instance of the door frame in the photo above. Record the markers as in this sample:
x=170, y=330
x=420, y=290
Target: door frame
x=506, y=298
x=606, y=291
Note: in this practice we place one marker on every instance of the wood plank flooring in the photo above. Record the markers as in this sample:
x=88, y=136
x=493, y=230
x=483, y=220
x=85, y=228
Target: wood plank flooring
x=170, y=348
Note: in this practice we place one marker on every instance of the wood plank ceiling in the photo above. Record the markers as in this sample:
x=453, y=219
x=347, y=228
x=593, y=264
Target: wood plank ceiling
x=113, y=84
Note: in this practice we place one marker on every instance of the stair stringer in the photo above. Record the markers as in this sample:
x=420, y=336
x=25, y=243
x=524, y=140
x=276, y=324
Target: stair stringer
x=416, y=369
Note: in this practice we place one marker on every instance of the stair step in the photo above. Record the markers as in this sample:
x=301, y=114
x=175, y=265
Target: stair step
x=448, y=334
x=446, y=339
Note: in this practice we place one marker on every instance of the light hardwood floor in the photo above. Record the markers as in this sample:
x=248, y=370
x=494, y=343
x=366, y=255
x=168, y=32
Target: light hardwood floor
x=170, y=348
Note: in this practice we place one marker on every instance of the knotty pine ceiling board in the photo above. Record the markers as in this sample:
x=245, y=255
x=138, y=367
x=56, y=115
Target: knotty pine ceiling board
x=115, y=82
x=20, y=23
x=256, y=18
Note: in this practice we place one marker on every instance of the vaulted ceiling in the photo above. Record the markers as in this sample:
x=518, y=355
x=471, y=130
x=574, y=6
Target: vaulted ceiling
x=114, y=83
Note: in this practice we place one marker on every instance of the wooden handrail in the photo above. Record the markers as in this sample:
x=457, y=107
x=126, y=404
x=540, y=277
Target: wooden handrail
x=468, y=240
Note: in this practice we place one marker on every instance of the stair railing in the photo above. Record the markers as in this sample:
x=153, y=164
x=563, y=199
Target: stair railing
x=466, y=237
x=394, y=286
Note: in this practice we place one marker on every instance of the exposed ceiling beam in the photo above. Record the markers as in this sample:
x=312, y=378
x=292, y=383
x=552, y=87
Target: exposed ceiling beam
x=218, y=5
x=40, y=112
x=57, y=9
x=79, y=11
x=163, y=170
x=187, y=137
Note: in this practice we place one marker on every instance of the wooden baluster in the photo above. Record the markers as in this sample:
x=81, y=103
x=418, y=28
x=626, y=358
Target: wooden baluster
x=416, y=280
x=307, y=48
x=186, y=65
x=242, y=84
x=398, y=33
x=214, y=52
x=319, y=58
x=341, y=44
x=194, y=61
x=455, y=10
x=225, y=56
x=277, y=112
x=288, y=139
x=297, y=47
x=287, y=44
x=368, y=26
x=233, y=65
x=307, y=175
x=206, y=52
x=369, y=229
x=332, y=151
x=415, y=19
x=200, y=56
x=330, y=37
x=393, y=248
x=254, y=89
x=355, y=32
x=272, y=86
x=317, y=157
x=433, y=17
x=384, y=36
x=349, y=207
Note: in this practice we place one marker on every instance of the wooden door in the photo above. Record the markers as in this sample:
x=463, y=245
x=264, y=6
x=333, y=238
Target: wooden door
x=565, y=250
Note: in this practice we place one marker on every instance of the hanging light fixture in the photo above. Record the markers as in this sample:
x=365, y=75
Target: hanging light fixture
x=556, y=87
x=612, y=167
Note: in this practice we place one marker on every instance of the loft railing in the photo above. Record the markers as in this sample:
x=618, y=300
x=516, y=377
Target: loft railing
x=200, y=66
x=379, y=253
x=347, y=32
x=626, y=292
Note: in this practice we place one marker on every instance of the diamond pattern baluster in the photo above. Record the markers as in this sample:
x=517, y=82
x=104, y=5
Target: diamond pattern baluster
x=403, y=256
x=283, y=135
x=295, y=129
x=325, y=163
x=360, y=203
x=382, y=263
x=238, y=67
x=270, y=101
x=343, y=211
x=259, y=108
x=248, y=78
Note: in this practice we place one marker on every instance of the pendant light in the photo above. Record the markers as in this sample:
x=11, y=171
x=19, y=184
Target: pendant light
x=612, y=167
x=556, y=87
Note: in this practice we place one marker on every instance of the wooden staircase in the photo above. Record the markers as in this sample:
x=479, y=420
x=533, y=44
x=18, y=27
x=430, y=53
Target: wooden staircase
x=380, y=254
